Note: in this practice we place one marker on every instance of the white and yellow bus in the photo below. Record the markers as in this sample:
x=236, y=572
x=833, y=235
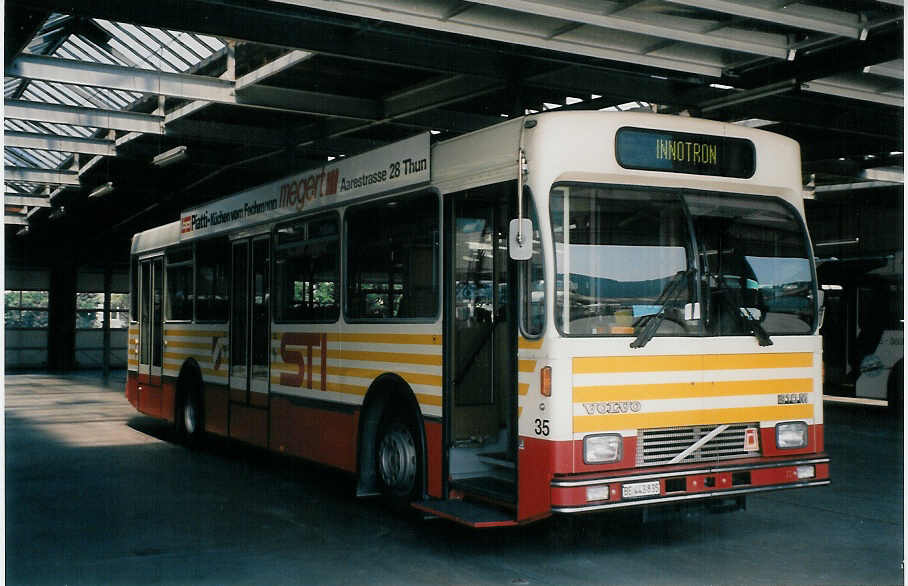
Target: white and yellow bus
x=567, y=312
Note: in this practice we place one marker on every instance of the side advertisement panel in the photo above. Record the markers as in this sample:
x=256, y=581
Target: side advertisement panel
x=402, y=164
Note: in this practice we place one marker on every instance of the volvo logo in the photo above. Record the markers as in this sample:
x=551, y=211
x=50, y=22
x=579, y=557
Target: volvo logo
x=612, y=407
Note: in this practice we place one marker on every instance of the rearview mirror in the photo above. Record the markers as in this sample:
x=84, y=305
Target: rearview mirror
x=520, y=248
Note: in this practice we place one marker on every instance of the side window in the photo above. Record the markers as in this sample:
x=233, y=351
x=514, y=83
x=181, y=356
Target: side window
x=392, y=259
x=178, y=302
x=211, y=279
x=533, y=278
x=307, y=285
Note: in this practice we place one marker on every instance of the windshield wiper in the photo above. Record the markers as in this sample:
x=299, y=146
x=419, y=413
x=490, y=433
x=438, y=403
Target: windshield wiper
x=667, y=298
x=742, y=314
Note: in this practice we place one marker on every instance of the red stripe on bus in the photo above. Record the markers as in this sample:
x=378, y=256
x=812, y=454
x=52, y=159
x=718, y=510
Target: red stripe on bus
x=319, y=435
x=433, y=458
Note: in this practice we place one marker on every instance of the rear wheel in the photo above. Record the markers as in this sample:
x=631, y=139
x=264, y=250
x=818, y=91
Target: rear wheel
x=398, y=462
x=189, y=413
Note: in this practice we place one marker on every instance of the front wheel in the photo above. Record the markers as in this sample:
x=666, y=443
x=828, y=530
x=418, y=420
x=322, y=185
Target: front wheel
x=398, y=463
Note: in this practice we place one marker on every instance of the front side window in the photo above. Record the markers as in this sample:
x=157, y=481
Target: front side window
x=533, y=278
x=646, y=262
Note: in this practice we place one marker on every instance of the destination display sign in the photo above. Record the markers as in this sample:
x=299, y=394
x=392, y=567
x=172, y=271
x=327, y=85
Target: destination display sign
x=398, y=165
x=683, y=152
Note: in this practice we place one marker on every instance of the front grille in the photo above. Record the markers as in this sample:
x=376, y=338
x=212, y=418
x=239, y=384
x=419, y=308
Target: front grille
x=662, y=446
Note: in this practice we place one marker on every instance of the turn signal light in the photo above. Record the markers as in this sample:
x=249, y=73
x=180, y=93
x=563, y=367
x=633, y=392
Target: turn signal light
x=545, y=381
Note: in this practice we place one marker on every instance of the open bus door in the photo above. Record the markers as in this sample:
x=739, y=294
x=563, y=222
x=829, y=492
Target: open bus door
x=151, y=338
x=480, y=354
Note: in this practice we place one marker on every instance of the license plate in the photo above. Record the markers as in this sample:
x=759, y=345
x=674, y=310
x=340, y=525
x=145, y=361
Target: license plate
x=638, y=489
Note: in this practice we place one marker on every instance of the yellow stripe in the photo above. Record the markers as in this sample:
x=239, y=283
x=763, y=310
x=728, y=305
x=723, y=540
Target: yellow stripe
x=345, y=388
x=194, y=333
x=197, y=345
x=523, y=388
x=424, y=339
x=181, y=356
x=691, y=390
x=212, y=372
x=394, y=357
x=523, y=343
x=519, y=411
x=433, y=400
x=410, y=377
x=588, y=423
x=594, y=365
x=526, y=365
x=132, y=362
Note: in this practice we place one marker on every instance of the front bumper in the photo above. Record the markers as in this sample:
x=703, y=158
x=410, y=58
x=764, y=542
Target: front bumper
x=656, y=486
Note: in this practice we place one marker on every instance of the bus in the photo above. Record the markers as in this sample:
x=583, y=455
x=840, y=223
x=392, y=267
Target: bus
x=562, y=313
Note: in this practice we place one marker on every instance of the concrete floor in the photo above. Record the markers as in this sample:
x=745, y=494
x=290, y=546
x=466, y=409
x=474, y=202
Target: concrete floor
x=99, y=494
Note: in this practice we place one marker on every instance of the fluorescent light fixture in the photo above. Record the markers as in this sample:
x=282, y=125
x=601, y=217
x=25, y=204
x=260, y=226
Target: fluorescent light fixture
x=102, y=189
x=169, y=157
x=57, y=213
x=837, y=242
x=755, y=122
x=24, y=231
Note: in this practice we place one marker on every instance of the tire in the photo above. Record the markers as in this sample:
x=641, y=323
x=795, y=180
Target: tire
x=190, y=427
x=398, y=462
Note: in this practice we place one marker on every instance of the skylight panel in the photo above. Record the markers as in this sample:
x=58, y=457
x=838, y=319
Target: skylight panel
x=193, y=44
x=168, y=49
x=97, y=55
x=213, y=42
x=188, y=45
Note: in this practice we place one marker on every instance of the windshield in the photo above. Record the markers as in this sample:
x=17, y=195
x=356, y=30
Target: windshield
x=627, y=264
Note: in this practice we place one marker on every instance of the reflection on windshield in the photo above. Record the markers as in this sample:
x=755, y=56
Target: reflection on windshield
x=624, y=256
x=621, y=250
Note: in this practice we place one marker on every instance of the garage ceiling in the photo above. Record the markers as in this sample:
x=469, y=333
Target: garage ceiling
x=119, y=114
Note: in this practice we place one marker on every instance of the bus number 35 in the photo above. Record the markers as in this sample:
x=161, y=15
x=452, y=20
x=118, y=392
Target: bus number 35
x=542, y=427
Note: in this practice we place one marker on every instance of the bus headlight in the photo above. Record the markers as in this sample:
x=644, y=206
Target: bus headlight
x=791, y=435
x=602, y=449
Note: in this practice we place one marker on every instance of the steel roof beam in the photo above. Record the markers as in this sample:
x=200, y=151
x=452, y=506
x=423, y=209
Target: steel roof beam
x=119, y=77
x=765, y=45
x=82, y=116
x=308, y=102
x=26, y=200
x=69, y=144
x=894, y=69
x=401, y=13
x=193, y=87
x=437, y=94
x=15, y=219
x=796, y=14
x=42, y=176
x=835, y=88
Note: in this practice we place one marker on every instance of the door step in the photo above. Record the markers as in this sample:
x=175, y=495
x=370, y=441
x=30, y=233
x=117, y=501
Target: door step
x=499, y=459
x=468, y=513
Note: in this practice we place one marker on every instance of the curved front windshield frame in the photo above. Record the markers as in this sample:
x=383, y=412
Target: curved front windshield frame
x=634, y=255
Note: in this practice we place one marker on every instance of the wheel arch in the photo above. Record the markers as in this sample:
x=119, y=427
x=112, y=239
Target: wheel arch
x=387, y=393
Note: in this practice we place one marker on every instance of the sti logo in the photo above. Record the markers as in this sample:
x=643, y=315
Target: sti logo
x=186, y=225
